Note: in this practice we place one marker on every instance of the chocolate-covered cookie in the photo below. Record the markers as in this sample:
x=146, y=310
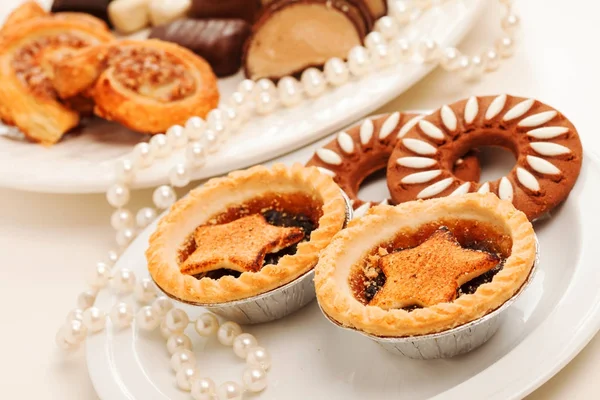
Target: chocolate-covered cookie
x=242, y=9
x=97, y=8
x=219, y=41
x=292, y=35
x=365, y=148
x=545, y=143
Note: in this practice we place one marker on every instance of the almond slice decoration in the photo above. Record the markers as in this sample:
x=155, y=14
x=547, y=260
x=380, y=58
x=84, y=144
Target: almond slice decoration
x=545, y=143
x=28, y=99
x=148, y=86
x=279, y=44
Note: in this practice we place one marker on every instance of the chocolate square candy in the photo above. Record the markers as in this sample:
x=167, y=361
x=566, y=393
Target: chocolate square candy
x=218, y=41
x=97, y=8
x=243, y=9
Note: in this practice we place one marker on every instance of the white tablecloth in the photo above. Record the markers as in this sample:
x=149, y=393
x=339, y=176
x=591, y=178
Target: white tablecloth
x=49, y=242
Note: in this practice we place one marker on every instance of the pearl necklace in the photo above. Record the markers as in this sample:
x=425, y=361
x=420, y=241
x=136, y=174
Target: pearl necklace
x=383, y=47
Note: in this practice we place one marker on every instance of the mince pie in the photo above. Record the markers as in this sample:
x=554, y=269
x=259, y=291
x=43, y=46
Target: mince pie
x=245, y=234
x=425, y=266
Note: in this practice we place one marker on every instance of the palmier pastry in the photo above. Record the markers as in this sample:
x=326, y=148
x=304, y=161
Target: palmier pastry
x=545, y=144
x=27, y=98
x=425, y=266
x=245, y=234
x=365, y=148
x=148, y=86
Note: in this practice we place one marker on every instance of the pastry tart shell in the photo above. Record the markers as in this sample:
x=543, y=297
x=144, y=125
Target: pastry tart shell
x=215, y=197
x=382, y=224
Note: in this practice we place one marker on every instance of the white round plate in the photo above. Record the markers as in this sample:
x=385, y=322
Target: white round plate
x=312, y=359
x=84, y=163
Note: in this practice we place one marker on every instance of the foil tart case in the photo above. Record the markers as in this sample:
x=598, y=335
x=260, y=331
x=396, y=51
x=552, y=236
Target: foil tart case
x=271, y=305
x=459, y=340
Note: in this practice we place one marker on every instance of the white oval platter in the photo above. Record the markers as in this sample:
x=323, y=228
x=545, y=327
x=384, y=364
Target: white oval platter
x=85, y=163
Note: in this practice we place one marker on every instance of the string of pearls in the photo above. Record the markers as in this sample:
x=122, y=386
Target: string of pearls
x=158, y=312
x=200, y=137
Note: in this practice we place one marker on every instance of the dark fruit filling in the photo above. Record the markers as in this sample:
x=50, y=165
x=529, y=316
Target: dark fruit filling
x=286, y=220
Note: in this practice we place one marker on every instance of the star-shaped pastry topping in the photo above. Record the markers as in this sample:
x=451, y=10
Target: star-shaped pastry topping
x=240, y=245
x=430, y=273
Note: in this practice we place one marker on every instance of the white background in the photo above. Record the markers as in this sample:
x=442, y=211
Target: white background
x=48, y=242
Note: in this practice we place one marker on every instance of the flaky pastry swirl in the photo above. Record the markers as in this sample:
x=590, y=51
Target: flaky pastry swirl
x=147, y=85
x=27, y=98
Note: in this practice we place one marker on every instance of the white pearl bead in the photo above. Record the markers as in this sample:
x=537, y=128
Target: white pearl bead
x=100, y=276
x=233, y=119
x=203, y=389
x=465, y=69
x=510, y=24
x=358, y=61
x=146, y=319
x=195, y=154
x=290, y=91
x=422, y=4
x=94, y=319
x=505, y=47
x=124, y=281
x=177, y=136
x=450, y=59
x=265, y=85
x=177, y=342
x=492, y=60
x=428, y=50
x=164, y=196
x=387, y=27
x=266, y=103
x=125, y=171
x=86, y=299
x=143, y=155
x=336, y=71
x=164, y=331
x=76, y=313
x=177, y=320
x=381, y=56
x=478, y=66
x=185, y=376
x=230, y=391
x=374, y=39
x=112, y=257
x=182, y=358
x=161, y=145
x=145, y=291
x=206, y=325
x=121, y=219
x=121, y=315
x=313, y=82
x=179, y=176
x=255, y=379
x=259, y=357
x=243, y=343
x=210, y=141
x=228, y=332
x=75, y=332
x=162, y=305
x=237, y=100
x=117, y=195
x=402, y=11
x=194, y=127
x=402, y=48
x=215, y=120
x=145, y=216
x=246, y=86
x=125, y=236
x=61, y=341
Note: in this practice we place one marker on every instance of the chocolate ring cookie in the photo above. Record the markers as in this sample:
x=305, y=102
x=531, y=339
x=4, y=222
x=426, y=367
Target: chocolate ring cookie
x=544, y=142
x=365, y=148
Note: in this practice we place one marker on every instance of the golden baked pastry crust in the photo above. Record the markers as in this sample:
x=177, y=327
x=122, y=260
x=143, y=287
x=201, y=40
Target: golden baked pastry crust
x=382, y=224
x=214, y=198
x=27, y=99
x=148, y=86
